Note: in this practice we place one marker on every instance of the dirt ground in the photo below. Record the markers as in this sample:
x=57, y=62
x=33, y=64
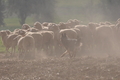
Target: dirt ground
x=56, y=68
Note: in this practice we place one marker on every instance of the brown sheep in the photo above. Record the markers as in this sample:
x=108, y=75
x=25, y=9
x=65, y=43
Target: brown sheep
x=16, y=31
x=32, y=30
x=108, y=23
x=8, y=32
x=22, y=32
x=78, y=31
x=86, y=38
x=45, y=24
x=62, y=25
x=72, y=34
x=104, y=39
x=4, y=37
x=8, y=41
x=116, y=28
x=54, y=27
x=25, y=26
x=48, y=38
x=26, y=44
x=38, y=37
x=38, y=26
x=73, y=23
x=45, y=28
x=118, y=20
x=12, y=43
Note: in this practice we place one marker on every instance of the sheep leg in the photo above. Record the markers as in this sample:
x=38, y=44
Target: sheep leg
x=33, y=53
x=7, y=51
x=64, y=53
x=51, y=49
x=45, y=48
x=12, y=51
x=70, y=54
x=74, y=52
x=20, y=51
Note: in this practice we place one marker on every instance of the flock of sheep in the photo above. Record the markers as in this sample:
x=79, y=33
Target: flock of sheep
x=103, y=37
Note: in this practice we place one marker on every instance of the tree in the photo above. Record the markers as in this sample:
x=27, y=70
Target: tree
x=111, y=9
x=1, y=13
x=44, y=10
x=24, y=8
x=21, y=7
x=48, y=11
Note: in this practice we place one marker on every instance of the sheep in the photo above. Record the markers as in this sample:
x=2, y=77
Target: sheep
x=92, y=27
x=12, y=43
x=45, y=24
x=48, y=38
x=62, y=25
x=70, y=45
x=45, y=28
x=72, y=34
x=108, y=23
x=8, y=32
x=78, y=31
x=25, y=26
x=22, y=32
x=4, y=36
x=117, y=32
x=38, y=37
x=76, y=22
x=102, y=23
x=118, y=20
x=104, y=39
x=38, y=26
x=54, y=27
x=16, y=31
x=8, y=41
x=26, y=46
x=73, y=23
x=86, y=38
x=32, y=30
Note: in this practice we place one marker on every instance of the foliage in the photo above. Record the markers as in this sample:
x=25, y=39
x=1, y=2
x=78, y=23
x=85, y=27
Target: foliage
x=21, y=7
x=1, y=13
x=24, y=8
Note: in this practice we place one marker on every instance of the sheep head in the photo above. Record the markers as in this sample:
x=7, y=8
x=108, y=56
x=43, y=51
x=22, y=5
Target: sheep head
x=25, y=26
x=3, y=33
x=22, y=32
x=38, y=25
